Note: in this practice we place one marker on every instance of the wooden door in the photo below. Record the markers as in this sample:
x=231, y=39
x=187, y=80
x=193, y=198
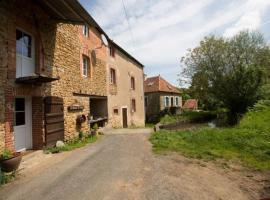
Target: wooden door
x=54, y=120
x=124, y=115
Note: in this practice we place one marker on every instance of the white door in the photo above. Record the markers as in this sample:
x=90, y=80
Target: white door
x=23, y=124
x=25, y=54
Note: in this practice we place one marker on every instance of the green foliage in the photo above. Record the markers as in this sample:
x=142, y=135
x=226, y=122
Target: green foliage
x=71, y=145
x=190, y=116
x=6, y=154
x=81, y=135
x=6, y=177
x=149, y=125
x=228, y=72
x=169, y=119
x=249, y=142
x=95, y=127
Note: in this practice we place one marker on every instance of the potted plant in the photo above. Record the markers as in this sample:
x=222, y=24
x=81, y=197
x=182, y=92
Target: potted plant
x=94, y=129
x=9, y=161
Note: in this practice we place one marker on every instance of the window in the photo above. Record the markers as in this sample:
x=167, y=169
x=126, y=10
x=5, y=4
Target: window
x=145, y=101
x=133, y=105
x=115, y=111
x=112, y=76
x=85, y=66
x=85, y=30
x=23, y=44
x=176, y=101
x=112, y=51
x=172, y=101
x=132, y=83
x=19, y=111
x=167, y=102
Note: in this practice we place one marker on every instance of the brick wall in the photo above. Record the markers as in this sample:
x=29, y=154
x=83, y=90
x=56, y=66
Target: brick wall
x=38, y=125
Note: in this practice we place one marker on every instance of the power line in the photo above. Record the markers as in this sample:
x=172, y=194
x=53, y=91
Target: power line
x=129, y=26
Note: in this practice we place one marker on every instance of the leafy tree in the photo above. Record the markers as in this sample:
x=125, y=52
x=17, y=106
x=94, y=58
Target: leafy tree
x=228, y=72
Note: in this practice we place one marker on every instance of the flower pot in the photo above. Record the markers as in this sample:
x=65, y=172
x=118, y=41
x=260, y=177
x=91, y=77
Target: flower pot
x=11, y=164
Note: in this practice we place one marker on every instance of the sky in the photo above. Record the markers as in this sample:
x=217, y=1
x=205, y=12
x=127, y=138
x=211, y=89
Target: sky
x=159, y=32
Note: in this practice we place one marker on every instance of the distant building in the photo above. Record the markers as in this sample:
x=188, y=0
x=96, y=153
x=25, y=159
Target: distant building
x=191, y=104
x=160, y=95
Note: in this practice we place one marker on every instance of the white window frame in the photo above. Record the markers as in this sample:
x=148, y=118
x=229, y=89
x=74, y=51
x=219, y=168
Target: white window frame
x=165, y=102
x=177, y=101
x=112, y=78
x=87, y=66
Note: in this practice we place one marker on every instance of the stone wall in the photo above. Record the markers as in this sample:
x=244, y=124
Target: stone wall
x=72, y=86
x=3, y=69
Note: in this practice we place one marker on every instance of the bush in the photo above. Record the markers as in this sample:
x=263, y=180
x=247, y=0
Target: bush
x=199, y=116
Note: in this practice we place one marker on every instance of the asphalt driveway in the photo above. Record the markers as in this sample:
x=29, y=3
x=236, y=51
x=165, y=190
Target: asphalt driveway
x=121, y=165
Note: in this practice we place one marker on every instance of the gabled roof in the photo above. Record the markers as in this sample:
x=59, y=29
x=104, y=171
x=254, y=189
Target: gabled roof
x=191, y=104
x=158, y=84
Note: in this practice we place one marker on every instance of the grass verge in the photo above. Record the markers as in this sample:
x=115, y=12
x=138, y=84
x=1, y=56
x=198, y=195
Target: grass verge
x=71, y=145
x=249, y=142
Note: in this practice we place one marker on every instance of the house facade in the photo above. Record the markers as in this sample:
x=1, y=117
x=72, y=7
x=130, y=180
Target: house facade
x=125, y=89
x=53, y=73
x=160, y=95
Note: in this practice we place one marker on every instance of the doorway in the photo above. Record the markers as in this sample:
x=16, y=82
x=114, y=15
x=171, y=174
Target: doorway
x=124, y=115
x=22, y=123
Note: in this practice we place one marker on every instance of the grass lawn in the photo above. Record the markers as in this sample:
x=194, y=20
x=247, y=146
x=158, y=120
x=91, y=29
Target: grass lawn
x=249, y=142
x=71, y=145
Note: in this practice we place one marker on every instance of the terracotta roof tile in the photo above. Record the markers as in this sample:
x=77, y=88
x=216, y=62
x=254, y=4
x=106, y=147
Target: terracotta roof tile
x=191, y=104
x=158, y=84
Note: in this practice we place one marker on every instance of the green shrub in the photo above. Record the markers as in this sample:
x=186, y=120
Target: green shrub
x=249, y=142
x=6, y=154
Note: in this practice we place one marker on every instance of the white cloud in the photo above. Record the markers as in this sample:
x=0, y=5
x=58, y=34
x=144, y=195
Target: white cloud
x=251, y=17
x=164, y=29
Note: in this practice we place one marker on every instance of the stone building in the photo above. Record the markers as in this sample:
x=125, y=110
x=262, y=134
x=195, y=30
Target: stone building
x=125, y=89
x=160, y=95
x=53, y=67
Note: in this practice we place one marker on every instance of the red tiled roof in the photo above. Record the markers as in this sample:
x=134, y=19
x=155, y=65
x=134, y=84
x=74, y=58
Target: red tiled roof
x=158, y=84
x=191, y=104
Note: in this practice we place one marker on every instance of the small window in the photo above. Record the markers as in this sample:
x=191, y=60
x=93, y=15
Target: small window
x=132, y=80
x=167, y=102
x=85, y=66
x=133, y=105
x=145, y=101
x=19, y=112
x=176, y=101
x=115, y=111
x=112, y=76
x=86, y=30
x=172, y=101
x=112, y=51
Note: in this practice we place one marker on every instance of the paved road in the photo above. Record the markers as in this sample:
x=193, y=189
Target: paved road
x=121, y=166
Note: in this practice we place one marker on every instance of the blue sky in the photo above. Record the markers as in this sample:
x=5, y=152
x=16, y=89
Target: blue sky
x=162, y=30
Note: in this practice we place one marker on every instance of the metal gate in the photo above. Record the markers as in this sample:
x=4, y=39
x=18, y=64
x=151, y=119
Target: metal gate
x=54, y=120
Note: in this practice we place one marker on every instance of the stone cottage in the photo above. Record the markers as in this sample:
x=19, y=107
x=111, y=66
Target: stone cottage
x=53, y=72
x=160, y=95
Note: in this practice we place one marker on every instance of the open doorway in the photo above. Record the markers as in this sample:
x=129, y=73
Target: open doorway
x=98, y=111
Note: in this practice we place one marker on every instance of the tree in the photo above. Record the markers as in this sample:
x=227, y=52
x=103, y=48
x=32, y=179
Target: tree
x=228, y=72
